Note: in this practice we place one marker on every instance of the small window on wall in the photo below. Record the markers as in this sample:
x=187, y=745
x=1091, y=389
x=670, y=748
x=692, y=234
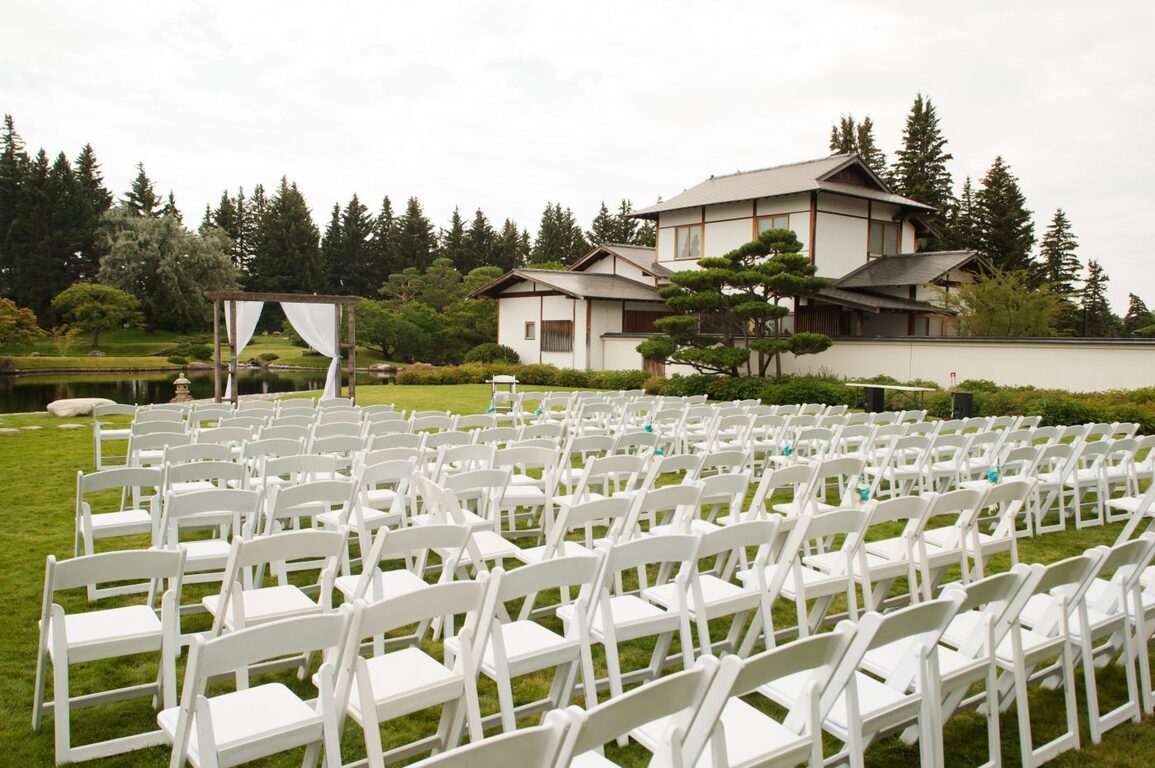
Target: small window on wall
x=689, y=242
x=530, y=331
x=780, y=221
x=883, y=238
x=557, y=336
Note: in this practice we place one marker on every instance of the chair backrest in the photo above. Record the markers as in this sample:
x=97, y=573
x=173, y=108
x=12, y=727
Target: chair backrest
x=678, y=696
x=157, y=426
x=106, y=567
x=114, y=409
x=537, y=745
x=841, y=475
x=253, y=422
x=447, y=438
x=677, y=548
x=480, y=490
x=1070, y=579
x=998, y=599
x=462, y=458
x=217, y=507
x=798, y=478
x=220, y=473
x=496, y=435
x=117, y=477
x=666, y=505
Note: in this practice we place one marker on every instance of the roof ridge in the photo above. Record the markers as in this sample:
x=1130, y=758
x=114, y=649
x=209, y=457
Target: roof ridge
x=843, y=155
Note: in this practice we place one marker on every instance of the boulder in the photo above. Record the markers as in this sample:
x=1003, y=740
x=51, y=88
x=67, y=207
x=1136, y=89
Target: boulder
x=76, y=406
x=96, y=353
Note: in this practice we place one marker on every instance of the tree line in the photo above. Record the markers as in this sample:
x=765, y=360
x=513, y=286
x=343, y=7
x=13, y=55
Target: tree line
x=993, y=219
x=61, y=225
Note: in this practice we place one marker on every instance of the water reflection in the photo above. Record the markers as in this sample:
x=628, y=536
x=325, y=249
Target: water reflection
x=20, y=394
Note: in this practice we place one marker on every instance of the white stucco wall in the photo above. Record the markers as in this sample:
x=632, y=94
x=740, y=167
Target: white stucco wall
x=724, y=236
x=1077, y=366
x=512, y=315
x=840, y=244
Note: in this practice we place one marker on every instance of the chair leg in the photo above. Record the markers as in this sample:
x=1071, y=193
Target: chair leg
x=61, y=710
x=505, y=703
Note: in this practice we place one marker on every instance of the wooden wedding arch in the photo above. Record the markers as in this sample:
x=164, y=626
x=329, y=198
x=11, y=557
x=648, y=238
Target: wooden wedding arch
x=346, y=346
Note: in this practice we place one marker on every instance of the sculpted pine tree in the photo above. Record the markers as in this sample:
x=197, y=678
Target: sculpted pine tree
x=739, y=296
x=1058, y=267
x=1004, y=227
x=920, y=171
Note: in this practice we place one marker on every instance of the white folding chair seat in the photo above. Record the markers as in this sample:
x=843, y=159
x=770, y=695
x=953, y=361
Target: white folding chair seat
x=73, y=638
x=252, y=722
x=442, y=506
x=102, y=434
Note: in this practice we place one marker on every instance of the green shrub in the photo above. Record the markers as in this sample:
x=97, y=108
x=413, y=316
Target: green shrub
x=687, y=386
x=620, y=380
x=490, y=352
x=201, y=352
x=654, y=384
x=978, y=385
x=178, y=360
x=268, y=357
x=570, y=377
x=737, y=388
x=804, y=389
x=1059, y=408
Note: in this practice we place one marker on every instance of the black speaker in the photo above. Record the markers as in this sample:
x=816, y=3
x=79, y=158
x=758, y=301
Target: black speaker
x=873, y=400
x=962, y=405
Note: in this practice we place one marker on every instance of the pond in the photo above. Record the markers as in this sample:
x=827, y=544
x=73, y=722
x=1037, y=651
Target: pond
x=21, y=394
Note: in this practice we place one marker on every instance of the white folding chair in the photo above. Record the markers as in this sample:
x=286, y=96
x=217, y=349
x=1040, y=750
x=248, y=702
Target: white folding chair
x=133, y=515
x=396, y=683
x=252, y=722
x=102, y=434
x=530, y=746
x=75, y=638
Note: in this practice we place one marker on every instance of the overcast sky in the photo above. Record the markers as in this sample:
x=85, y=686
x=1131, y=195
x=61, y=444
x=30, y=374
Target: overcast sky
x=508, y=105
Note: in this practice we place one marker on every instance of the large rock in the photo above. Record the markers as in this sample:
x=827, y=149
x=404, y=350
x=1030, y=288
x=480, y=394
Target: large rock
x=76, y=406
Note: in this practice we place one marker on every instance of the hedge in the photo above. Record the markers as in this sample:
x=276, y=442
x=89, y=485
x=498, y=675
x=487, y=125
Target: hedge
x=529, y=375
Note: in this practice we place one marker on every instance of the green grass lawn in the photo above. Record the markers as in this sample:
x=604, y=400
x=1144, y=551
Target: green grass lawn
x=39, y=467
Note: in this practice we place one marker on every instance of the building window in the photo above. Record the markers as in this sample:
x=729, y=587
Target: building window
x=883, y=238
x=530, y=331
x=689, y=242
x=641, y=321
x=778, y=221
x=557, y=335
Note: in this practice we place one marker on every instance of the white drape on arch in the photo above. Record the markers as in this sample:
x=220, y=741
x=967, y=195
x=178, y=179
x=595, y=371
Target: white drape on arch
x=317, y=324
x=248, y=313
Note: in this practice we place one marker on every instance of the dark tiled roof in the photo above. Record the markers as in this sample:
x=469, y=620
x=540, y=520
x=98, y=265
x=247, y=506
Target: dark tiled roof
x=876, y=302
x=579, y=285
x=905, y=269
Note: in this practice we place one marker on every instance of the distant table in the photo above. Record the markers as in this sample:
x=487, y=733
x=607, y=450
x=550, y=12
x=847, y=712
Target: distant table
x=915, y=393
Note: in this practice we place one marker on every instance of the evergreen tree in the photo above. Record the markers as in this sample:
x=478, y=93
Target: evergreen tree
x=1058, y=266
x=170, y=208
x=868, y=150
x=415, y=243
x=34, y=274
x=91, y=244
x=604, y=228
x=1098, y=321
x=332, y=252
x=559, y=238
x=13, y=168
x=844, y=136
x=65, y=215
x=384, y=247
x=510, y=252
x=440, y=285
x=141, y=197
x=451, y=242
x=1138, y=316
x=920, y=171
x=481, y=244
x=357, y=228
x=287, y=255
x=961, y=231
x=1004, y=228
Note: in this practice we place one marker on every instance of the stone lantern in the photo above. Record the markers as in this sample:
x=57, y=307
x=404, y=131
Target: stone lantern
x=181, y=384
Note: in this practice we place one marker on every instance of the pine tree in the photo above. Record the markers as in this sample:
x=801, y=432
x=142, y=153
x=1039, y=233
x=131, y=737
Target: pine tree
x=91, y=244
x=920, y=171
x=415, y=243
x=844, y=136
x=141, y=198
x=357, y=228
x=868, y=150
x=1138, y=316
x=559, y=238
x=384, y=247
x=332, y=253
x=480, y=246
x=451, y=242
x=1058, y=266
x=1005, y=232
x=170, y=208
x=961, y=231
x=509, y=253
x=604, y=227
x=287, y=256
x=65, y=218
x=13, y=167
x=32, y=265
x=1098, y=321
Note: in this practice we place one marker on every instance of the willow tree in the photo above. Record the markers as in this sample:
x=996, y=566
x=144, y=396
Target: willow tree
x=734, y=306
